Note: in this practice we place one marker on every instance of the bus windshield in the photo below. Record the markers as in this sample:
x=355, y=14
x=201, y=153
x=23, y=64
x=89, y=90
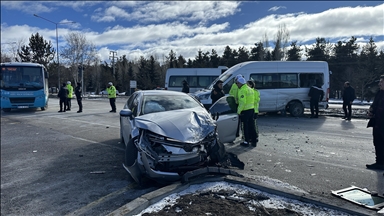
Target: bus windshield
x=25, y=77
x=223, y=77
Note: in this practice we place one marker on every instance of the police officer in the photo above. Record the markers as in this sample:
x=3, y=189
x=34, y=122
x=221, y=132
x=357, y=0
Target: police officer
x=78, y=92
x=256, y=96
x=112, y=96
x=69, y=97
x=233, y=92
x=246, y=110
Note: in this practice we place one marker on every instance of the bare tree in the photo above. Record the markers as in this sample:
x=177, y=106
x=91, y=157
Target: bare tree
x=78, y=51
x=281, y=43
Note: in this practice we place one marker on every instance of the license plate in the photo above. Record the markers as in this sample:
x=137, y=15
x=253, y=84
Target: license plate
x=22, y=107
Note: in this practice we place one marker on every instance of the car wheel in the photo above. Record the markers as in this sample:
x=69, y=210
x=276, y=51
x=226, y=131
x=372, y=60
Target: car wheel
x=296, y=109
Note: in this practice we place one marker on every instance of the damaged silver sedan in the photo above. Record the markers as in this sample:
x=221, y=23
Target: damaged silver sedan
x=170, y=136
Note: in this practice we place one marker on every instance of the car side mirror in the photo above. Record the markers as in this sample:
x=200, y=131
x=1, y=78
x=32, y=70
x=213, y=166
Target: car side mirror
x=126, y=113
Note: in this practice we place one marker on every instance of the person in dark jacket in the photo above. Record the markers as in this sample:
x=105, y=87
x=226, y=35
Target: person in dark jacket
x=185, y=87
x=63, y=94
x=316, y=94
x=348, y=97
x=78, y=92
x=217, y=91
x=376, y=115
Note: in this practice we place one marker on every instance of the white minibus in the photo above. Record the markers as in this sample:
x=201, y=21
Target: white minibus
x=197, y=78
x=283, y=85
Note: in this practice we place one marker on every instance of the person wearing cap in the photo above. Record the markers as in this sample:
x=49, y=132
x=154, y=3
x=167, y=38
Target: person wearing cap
x=235, y=88
x=217, y=91
x=78, y=92
x=256, y=96
x=245, y=110
x=69, y=97
x=348, y=97
x=233, y=92
x=112, y=96
x=185, y=86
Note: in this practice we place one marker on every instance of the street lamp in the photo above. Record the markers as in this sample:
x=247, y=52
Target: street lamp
x=57, y=44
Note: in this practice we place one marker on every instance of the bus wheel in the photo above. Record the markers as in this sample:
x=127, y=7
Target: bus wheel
x=44, y=108
x=7, y=109
x=296, y=109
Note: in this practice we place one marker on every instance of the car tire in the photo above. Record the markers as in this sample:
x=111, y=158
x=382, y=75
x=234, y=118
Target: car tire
x=296, y=109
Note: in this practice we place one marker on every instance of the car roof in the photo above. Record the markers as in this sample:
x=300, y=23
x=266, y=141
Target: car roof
x=162, y=92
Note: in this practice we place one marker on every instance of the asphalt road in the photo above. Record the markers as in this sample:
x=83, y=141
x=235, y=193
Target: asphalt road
x=70, y=163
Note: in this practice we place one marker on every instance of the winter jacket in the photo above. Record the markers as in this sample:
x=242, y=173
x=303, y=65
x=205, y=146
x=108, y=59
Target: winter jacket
x=349, y=94
x=316, y=93
x=216, y=93
x=246, y=99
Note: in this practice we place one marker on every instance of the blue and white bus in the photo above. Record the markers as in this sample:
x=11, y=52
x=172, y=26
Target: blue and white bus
x=23, y=85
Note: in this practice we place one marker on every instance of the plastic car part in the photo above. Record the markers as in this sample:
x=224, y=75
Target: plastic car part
x=208, y=170
x=361, y=197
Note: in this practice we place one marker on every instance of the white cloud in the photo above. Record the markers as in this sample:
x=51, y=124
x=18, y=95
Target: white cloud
x=276, y=8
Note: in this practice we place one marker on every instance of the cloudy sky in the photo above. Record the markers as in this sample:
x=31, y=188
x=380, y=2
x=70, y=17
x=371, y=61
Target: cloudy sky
x=144, y=28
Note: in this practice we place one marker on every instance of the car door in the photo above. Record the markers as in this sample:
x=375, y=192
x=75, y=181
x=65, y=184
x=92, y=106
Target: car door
x=126, y=122
x=225, y=108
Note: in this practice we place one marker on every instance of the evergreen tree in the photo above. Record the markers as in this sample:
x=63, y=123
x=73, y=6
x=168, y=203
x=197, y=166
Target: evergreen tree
x=258, y=52
x=214, y=59
x=243, y=55
x=293, y=53
x=37, y=51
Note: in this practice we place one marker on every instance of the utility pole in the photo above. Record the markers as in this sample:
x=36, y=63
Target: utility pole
x=113, y=60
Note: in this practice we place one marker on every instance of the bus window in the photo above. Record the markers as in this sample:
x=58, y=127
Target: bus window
x=308, y=80
x=288, y=81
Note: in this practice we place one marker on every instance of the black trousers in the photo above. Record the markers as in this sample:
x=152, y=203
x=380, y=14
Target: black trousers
x=112, y=102
x=80, y=103
x=63, y=104
x=314, y=105
x=249, y=125
x=349, y=106
x=378, y=142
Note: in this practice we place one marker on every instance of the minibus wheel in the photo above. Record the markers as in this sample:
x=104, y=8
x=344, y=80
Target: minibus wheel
x=296, y=109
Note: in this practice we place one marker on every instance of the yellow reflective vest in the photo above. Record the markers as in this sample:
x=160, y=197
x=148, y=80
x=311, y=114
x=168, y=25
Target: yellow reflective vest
x=70, y=90
x=111, y=92
x=246, y=99
x=257, y=100
x=233, y=91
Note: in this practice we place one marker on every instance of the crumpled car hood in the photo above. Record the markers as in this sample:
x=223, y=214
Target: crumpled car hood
x=186, y=125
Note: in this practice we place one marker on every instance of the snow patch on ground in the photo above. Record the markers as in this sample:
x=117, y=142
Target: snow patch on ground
x=274, y=201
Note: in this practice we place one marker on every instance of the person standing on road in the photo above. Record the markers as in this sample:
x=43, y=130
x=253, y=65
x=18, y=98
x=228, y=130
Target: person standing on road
x=185, y=87
x=112, y=96
x=78, y=92
x=316, y=94
x=256, y=95
x=245, y=110
x=63, y=94
x=233, y=91
x=217, y=91
x=348, y=97
x=69, y=97
x=376, y=115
